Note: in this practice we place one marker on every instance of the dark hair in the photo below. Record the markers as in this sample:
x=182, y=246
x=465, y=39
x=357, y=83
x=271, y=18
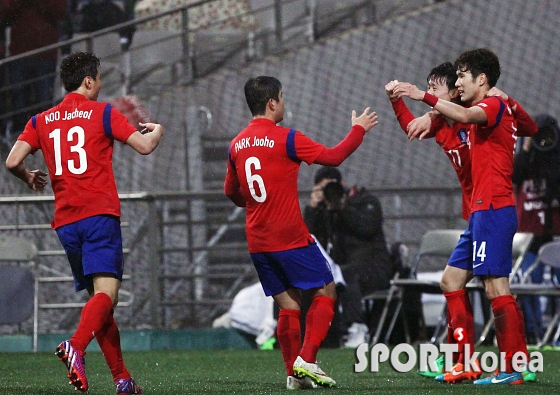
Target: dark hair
x=328, y=172
x=259, y=90
x=74, y=68
x=479, y=61
x=444, y=73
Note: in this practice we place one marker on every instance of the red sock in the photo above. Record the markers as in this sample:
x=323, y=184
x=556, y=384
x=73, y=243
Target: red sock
x=93, y=317
x=522, y=340
x=317, y=324
x=289, y=337
x=450, y=337
x=506, y=322
x=109, y=341
x=460, y=315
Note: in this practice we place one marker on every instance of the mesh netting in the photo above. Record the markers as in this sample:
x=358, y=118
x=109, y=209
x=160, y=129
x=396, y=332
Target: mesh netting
x=322, y=84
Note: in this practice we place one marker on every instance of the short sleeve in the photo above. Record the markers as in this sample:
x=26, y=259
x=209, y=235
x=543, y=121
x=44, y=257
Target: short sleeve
x=120, y=128
x=30, y=136
x=494, y=108
x=306, y=149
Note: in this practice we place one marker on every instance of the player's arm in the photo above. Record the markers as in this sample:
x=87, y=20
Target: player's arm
x=14, y=163
x=360, y=126
x=414, y=127
x=456, y=112
x=232, y=188
x=526, y=126
x=146, y=141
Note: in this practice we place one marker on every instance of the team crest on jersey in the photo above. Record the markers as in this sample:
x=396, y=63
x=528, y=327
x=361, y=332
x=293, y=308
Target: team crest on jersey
x=463, y=136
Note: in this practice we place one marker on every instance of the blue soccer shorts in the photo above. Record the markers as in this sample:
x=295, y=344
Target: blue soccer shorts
x=486, y=246
x=93, y=245
x=302, y=268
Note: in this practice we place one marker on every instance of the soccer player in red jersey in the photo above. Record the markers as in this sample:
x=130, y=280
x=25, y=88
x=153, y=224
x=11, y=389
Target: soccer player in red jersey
x=454, y=140
x=77, y=137
x=493, y=221
x=262, y=173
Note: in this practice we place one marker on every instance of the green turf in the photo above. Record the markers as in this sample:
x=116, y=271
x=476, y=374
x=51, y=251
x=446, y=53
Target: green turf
x=238, y=372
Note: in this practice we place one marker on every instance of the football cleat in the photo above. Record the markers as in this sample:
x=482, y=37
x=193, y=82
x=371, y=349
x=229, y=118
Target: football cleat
x=502, y=378
x=440, y=362
x=304, y=383
x=458, y=374
x=126, y=387
x=74, y=361
x=313, y=371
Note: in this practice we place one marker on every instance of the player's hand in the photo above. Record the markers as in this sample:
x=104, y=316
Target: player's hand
x=389, y=90
x=149, y=127
x=367, y=120
x=36, y=180
x=407, y=89
x=496, y=92
x=419, y=127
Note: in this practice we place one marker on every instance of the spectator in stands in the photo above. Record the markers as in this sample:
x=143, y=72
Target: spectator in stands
x=349, y=223
x=262, y=169
x=87, y=207
x=34, y=24
x=536, y=175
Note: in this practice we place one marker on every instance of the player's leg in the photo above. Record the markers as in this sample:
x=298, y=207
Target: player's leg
x=460, y=316
x=493, y=233
x=276, y=284
x=307, y=269
x=317, y=324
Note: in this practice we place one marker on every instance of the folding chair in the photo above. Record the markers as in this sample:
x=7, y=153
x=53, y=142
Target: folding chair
x=521, y=243
x=18, y=288
x=549, y=254
x=434, y=244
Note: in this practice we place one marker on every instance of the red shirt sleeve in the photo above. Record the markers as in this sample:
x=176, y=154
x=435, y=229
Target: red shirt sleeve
x=336, y=155
x=120, y=127
x=526, y=127
x=404, y=116
x=29, y=135
x=232, y=188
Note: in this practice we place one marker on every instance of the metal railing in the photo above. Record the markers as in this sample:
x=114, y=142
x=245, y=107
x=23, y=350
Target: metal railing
x=143, y=227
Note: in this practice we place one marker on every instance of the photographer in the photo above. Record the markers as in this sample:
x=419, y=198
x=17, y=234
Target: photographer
x=536, y=176
x=349, y=223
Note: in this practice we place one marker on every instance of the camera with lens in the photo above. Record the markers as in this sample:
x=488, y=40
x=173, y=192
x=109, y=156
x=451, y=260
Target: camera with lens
x=547, y=137
x=334, y=192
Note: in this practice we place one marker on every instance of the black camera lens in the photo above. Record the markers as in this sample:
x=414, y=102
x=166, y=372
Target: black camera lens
x=545, y=139
x=333, y=191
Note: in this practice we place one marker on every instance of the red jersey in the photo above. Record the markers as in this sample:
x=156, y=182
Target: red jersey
x=76, y=138
x=492, y=146
x=264, y=161
x=454, y=140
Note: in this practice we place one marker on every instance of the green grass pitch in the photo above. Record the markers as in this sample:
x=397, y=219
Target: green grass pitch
x=239, y=372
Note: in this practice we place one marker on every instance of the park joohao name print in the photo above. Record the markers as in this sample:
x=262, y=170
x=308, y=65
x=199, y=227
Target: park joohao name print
x=246, y=142
x=55, y=115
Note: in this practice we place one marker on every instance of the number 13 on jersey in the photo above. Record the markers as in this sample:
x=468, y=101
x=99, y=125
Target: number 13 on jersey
x=81, y=167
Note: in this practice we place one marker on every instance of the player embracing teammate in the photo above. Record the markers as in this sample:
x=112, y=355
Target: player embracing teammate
x=485, y=249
